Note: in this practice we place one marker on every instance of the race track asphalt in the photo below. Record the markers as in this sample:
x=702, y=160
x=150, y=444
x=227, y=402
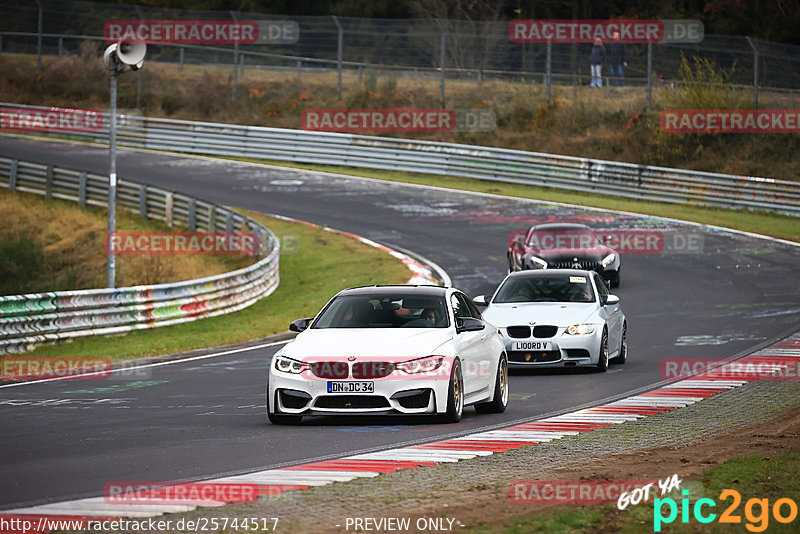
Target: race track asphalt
x=202, y=418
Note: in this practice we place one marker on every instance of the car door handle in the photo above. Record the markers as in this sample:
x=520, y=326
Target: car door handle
x=483, y=336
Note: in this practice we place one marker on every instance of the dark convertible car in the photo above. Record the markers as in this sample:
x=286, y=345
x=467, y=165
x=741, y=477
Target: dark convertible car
x=564, y=246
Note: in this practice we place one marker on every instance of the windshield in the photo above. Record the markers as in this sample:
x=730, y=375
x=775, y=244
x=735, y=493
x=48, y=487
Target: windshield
x=384, y=311
x=563, y=238
x=558, y=288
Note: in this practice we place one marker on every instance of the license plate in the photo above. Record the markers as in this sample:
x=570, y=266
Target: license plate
x=532, y=345
x=351, y=387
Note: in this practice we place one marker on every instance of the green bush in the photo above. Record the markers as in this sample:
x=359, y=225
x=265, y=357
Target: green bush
x=21, y=262
x=702, y=85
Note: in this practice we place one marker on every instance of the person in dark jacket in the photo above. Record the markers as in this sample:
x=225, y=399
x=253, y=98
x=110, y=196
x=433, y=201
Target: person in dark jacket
x=617, y=59
x=596, y=59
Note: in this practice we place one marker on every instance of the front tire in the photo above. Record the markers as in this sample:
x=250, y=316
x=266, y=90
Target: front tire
x=499, y=402
x=602, y=360
x=455, y=395
x=623, y=346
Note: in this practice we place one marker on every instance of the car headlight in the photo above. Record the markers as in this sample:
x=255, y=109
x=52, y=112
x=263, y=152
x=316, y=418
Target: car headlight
x=539, y=261
x=288, y=365
x=421, y=365
x=608, y=260
x=580, y=329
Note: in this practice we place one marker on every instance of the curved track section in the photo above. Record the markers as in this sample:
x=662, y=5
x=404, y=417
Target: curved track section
x=205, y=417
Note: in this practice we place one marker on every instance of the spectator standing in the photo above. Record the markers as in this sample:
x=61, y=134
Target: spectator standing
x=617, y=59
x=596, y=59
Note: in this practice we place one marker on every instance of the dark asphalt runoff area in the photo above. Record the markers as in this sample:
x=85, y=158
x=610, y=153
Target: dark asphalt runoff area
x=205, y=417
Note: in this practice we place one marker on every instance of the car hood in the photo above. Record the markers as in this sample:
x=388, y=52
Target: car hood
x=555, y=313
x=362, y=342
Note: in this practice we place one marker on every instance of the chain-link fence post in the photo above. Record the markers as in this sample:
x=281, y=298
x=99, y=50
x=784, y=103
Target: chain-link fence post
x=180, y=57
x=39, y=38
x=549, y=70
x=755, y=71
x=241, y=63
x=441, y=61
x=235, y=63
x=139, y=71
x=339, y=53
x=649, y=77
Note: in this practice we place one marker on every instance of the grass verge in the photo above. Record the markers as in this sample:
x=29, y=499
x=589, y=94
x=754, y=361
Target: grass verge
x=753, y=476
x=780, y=226
x=322, y=264
x=54, y=245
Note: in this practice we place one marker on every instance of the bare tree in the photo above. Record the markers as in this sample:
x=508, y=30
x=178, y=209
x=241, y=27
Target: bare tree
x=473, y=29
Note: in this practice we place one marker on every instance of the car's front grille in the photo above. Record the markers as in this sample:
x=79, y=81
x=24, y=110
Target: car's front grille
x=519, y=331
x=542, y=330
x=537, y=356
x=569, y=264
x=332, y=370
x=351, y=402
x=372, y=369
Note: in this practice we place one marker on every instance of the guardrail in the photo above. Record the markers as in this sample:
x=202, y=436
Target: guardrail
x=563, y=172
x=26, y=320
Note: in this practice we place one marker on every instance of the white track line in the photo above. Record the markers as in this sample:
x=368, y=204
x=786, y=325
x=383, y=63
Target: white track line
x=154, y=364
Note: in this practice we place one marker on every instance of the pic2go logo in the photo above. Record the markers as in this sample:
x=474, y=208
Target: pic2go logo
x=756, y=511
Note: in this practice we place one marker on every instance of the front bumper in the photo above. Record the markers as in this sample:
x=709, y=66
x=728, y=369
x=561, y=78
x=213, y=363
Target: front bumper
x=399, y=395
x=563, y=350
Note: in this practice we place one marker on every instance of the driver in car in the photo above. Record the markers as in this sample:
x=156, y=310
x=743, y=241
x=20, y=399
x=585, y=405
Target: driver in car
x=357, y=315
x=428, y=314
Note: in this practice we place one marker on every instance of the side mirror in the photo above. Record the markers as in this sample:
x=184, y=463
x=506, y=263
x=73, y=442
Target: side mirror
x=611, y=300
x=298, y=325
x=469, y=324
x=480, y=300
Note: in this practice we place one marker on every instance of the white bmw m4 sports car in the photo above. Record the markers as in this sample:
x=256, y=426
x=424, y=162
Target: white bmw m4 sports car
x=558, y=318
x=390, y=350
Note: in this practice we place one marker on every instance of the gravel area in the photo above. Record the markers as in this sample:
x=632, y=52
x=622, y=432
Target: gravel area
x=428, y=490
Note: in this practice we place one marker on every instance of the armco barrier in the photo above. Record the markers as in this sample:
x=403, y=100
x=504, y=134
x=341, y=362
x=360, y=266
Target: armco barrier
x=515, y=166
x=30, y=319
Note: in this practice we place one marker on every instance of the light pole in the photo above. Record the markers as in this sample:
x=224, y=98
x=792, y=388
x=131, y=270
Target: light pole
x=118, y=58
